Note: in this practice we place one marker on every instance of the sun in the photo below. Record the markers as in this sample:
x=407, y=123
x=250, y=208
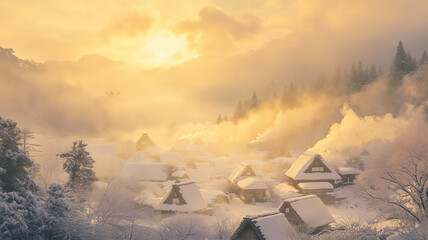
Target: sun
x=165, y=48
x=157, y=49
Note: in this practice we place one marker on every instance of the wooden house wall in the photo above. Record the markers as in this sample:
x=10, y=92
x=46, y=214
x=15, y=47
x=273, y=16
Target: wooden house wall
x=348, y=178
x=249, y=194
x=247, y=233
x=175, y=193
x=292, y=215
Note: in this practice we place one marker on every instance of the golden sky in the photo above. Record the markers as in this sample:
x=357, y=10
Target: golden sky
x=210, y=54
x=148, y=32
x=153, y=33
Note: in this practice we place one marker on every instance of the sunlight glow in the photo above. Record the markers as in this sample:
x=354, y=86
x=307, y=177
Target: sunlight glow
x=165, y=48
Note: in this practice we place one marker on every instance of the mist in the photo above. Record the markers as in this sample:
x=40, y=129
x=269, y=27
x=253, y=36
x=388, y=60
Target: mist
x=199, y=87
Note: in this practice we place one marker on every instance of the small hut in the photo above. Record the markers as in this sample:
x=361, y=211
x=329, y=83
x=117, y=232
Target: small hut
x=182, y=197
x=269, y=226
x=252, y=190
x=348, y=174
x=307, y=212
x=242, y=171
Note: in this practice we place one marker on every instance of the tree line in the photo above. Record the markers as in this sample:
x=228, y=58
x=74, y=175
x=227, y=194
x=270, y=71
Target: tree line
x=341, y=83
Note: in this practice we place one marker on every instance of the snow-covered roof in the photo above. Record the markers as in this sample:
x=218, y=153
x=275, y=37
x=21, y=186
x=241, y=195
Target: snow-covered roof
x=284, y=190
x=205, y=166
x=211, y=194
x=191, y=195
x=251, y=183
x=297, y=170
x=311, y=210
x=269, y=226
x=239, y=170
x=315, y=185
x=153, y=151
x=348, y=170
x=138, y=157
x=148, y=171
x=274, y=226
x=178, y=174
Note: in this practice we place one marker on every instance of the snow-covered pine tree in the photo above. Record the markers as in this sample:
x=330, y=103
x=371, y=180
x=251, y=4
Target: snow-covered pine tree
x=27, y=145
x=79, y=165
x=20, y=212
x=13, y=160
x=372, y=73
x=424, y=58
x=402, y=65
x=57, y=207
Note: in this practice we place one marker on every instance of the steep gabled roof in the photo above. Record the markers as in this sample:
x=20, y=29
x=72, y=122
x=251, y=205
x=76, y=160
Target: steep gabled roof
x=138, y=157
x=310, y=209
x=191, y=195
x=269, y=226
x=145, y=141
x=239, y=170
x=298, y=171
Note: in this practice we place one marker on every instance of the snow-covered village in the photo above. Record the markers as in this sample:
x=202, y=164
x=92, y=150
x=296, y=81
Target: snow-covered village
x=213, y=120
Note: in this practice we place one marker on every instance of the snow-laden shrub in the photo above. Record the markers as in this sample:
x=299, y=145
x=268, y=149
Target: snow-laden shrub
x=183, y=227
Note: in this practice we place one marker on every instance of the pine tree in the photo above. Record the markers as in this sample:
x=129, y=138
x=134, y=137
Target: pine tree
x=239, y=112
x=19, y=208
x=14, y=162
x=79, y=165
x=27, y=136
x=353, y=81
x=20, y=215
x=411, y=62
x=361, y=77
x=424, y=58
x=57, y=208
x=372, y=75
x=402, y=65
x=254, y=101
x=219, y=119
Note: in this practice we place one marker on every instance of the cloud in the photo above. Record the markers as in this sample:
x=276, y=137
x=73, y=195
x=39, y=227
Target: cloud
x=215, y=31
x=129, y=25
